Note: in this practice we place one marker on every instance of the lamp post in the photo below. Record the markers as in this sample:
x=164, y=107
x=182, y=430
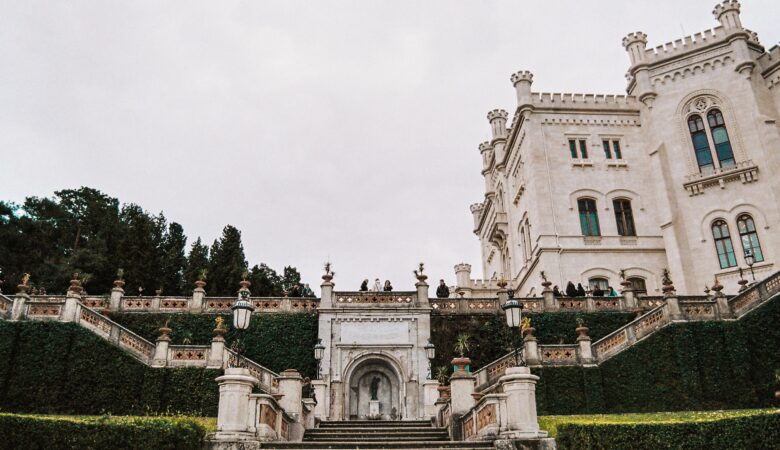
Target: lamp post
x=514, y=312
x=242, y=314
x=319, y=352
x=430, y=353
x=750, y=260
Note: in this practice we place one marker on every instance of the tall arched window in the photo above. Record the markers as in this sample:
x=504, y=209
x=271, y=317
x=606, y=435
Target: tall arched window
x=749, y=237
x=523, y=243
x=720, y=137
x=720, y=232
x=638, y=285
x=589, y=218
x=598, y=283
x=701, y=145
x=624, y=217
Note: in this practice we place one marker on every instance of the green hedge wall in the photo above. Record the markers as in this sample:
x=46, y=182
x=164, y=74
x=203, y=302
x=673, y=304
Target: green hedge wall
x=756, y=432
x=37, y=433
x=691, y=366
x=277, y=341
x=491, y=338
x=57, y=368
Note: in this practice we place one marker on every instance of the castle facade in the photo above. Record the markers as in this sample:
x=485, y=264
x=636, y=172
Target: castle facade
x=677, y=174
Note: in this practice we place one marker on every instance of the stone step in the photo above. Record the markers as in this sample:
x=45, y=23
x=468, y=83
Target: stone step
x=396, y=445
x=391, y=438
x=375, y=423
x=375, y=430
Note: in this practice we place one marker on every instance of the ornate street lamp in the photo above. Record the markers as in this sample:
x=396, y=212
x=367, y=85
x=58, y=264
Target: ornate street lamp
x=430, y=353
x=514, y=315
x=319, y=353
x=750, y=260
x=242, y=314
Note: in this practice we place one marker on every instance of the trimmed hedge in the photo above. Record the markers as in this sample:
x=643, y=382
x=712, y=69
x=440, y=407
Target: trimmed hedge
x=277, y=341
x=22, y=432
x=491, y=338
x=690, y=366
x=58, y=368
x=756, y=432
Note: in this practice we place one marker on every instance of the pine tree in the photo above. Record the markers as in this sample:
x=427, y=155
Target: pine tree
x=173, y=260
x=227, y=263
x=292, y=281
x=140, y=250
x=197, y=260
x=265, y=281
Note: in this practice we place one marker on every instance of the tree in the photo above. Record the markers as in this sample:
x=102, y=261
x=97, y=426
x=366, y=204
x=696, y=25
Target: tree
x=140, y=252
x=173, y=260
x=197, y=260
x=265, y=281
x=227, y=263
x=292, y=280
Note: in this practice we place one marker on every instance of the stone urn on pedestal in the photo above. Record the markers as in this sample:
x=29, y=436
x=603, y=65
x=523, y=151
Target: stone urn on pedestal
x=461, y=363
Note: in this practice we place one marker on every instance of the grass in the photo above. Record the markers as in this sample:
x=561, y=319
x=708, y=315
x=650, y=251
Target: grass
x=551, y=423
x=209, y=423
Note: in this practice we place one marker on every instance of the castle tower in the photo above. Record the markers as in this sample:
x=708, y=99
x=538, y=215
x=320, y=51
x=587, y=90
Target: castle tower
x=727, y=14
x=522, y=81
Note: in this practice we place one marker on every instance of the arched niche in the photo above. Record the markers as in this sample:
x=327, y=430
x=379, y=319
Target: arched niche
x=391, y=388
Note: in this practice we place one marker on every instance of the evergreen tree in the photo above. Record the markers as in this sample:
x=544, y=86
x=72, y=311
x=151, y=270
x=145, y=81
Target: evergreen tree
x=173, y=260
x=292, y=280
x=265, y=281
x=140, y=252
x=227, y=263
x=197, y=260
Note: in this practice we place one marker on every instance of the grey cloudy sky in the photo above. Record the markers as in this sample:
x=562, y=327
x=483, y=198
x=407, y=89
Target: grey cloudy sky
x=324, y=129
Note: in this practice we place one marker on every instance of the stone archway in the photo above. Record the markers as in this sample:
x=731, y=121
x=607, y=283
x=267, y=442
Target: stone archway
x=390, y=387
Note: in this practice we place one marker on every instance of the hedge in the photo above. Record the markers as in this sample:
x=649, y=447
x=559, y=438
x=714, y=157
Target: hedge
x=277, y=341
x=491, y=338
x=23, y=432
x=688, y=366
x=58, y=368
x=756, y=432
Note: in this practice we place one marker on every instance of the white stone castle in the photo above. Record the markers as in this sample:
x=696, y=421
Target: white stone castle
x=582, y=186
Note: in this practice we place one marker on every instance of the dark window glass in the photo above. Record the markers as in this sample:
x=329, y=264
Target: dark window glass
x=573, y=148
x=749, y=237
x=589, y=219
x=583, y=149
x=638, y=285
x=723, y=245
x=616, y=148
x=624, y=217
x=600, y=283
x=700, y=144
x=607, y=151
x=720, y=137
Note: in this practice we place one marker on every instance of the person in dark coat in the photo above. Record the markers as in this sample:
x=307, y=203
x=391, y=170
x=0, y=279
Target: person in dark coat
x=580, y=290
x=571, y=291
x=388, y=287
x=598, y=292
x=556, y=292
x=442, y=291
x=364, y=285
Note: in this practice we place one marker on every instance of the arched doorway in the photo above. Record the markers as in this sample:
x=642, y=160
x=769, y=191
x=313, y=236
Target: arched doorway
x=383, y=371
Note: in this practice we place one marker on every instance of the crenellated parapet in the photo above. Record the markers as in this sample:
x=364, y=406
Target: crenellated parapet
x=497, y=119
x=727, y=14
x=584, y=101
x=522, y=81
x=636, y=45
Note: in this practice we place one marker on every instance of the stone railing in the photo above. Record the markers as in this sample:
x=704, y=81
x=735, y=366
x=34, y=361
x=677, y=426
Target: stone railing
x=484, y=420
x=375, y=298
x=5, y=306
x=666, y=311
x=267, y=379
x=469, y=305
x=211, y=305
x=271, y=421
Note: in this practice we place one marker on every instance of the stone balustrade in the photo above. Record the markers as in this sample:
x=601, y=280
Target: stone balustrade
x=213, y=305
x=379, y=299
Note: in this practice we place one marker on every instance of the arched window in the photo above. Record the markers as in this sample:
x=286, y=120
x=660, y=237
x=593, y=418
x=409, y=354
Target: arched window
x=720, y=232
x=720, y=137
x=523, y=243
x=598, y=283
x=624, y=217
x=749, y=237
x=589, y=218
x=701, y=145
x=638, y=285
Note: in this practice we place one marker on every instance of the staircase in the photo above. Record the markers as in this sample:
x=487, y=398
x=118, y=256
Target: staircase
x=376, y=434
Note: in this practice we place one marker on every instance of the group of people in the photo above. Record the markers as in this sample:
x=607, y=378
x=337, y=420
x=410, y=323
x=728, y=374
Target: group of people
x=377, y=287
x=579, y=291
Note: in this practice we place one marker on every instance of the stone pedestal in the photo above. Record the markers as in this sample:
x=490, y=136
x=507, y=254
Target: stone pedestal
x=160, y=357
x=520, y=386
x=422, y=291
x=18, y=309
x=116, y=298
x=430, y=395
x=585, y=350
x=291, y=387
x=326, y=292
x=235, y=386
x=320, y=387
x=198, y=299
x=724, y=310
x=373, y=410
x=673, y=308
x=531, y=350
x=71, y=307
x=550, y=303
x=461, y=386
x=216, y=353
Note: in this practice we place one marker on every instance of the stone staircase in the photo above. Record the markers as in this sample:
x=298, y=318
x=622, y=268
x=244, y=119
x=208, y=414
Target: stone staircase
x=376, y=434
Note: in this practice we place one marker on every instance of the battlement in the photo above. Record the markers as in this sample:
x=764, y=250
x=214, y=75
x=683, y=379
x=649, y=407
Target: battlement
x=772, y=56
x=497, y=114
x=477, y=207
x=462, y=266
x=485, y=146
x=522, y=75
x=726, y=6
x=633, y=38
x=584, y=101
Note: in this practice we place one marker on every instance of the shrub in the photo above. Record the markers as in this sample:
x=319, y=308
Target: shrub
x=755, y=432
x=23, y=432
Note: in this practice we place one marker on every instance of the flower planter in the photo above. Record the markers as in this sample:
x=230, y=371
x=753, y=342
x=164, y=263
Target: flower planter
x=200, y=284
x=244, y=284
x=582, y=332
x=444, y=392
x=529, y=332
x=22, y=288
x=461, y=364
x=219, y=332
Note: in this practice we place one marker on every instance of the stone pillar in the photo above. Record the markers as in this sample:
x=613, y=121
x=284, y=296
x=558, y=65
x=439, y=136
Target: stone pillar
x=117, y=292
x=461, y=400
x=724, y=310
x=336, y=401
x=160, y=357
x=309, y=408
x=422, y=291
x=71, y=306
x=156, y=301
x=520, y=387
x=18, y=309
x=629, y=296
x=326, y=291
x=235, y=386
x=463, y=279
x=530, y=348
x=319, y=393
x=430, y=395
x=550, y=302
x=585, y=350
x=198, y=297
x=670, y=296
x=291, y=388
x=217, y=351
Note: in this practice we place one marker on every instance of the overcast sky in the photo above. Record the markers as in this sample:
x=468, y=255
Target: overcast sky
x=341, y=130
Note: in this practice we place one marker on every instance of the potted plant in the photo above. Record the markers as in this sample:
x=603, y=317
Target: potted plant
x=75, y=284
x=201, y=281
x=582, y=330
x=462, y=363
x=120, y=278
x=186, y=338
x=244, y=283
x=164, y=330
x=442, y=376
x=219, y=330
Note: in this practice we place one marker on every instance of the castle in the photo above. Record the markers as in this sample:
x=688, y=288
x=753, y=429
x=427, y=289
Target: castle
x=582, y=186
